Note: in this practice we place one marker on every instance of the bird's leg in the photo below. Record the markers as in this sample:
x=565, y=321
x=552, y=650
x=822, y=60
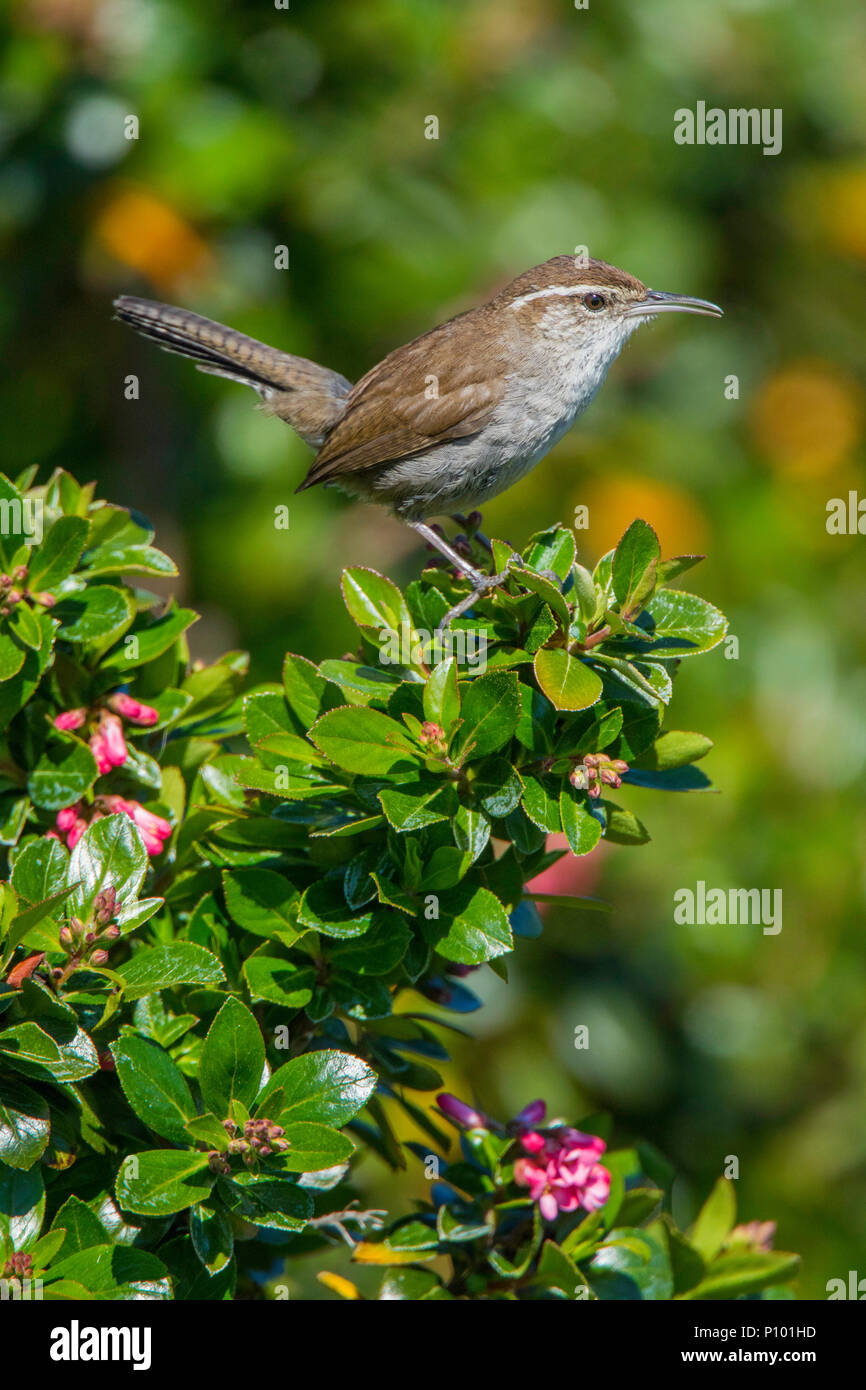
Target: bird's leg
x=480, y=582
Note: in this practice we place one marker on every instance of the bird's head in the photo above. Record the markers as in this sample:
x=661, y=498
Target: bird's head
x=588, y=304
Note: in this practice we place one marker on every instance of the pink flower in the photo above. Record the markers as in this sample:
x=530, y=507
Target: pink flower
x=564, y=1173
x=70, y=719
x=133, y=710
x=76, y=833
x=154, y=829
x=66, y=818
x=461, y=1113
x=111, y=730
x=100, y=752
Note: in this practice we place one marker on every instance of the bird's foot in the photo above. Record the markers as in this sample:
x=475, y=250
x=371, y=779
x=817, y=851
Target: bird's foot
x=481, y=584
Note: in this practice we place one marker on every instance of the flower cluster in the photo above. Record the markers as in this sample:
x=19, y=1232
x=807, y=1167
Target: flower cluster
x=13, y=590
x=563, y=1172
x=88, y=943
x=596, y=769
x=107, y=741
x=72, y=821
x=259, y=1139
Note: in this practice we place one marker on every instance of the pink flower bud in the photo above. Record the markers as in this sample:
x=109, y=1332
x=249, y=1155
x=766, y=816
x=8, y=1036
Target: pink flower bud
x=70, y=719
x=461, y=1113
x=67, y=817
x=99, y=957
x=133, y=710
x=532, y=1114
x=76, y=833
x=100, y=752
x=111, y=730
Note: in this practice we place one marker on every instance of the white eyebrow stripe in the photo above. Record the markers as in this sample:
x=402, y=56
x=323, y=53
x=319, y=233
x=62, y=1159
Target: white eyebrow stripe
x=554, y=289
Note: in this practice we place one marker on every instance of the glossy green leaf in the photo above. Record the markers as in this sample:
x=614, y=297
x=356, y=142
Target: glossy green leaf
x=568, y=683
x=232, y=1060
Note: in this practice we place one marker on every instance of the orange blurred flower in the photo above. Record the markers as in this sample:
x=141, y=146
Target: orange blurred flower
x=614, y=502
x=807, y=418
x=143, y=232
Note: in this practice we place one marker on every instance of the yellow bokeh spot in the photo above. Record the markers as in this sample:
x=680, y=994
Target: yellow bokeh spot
x=337, y=1284
x=807, y=418
x=843, y=211
x=613, y=504
x=146, y=234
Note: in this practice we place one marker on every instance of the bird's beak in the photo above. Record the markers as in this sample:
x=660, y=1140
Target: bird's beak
x=657, y=302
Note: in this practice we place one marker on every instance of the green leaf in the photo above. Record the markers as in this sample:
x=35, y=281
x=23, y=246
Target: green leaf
x=669, y=570
x=441, y=695
x=66, y=770
x=735, y=1275
x=275, y=977
x=160, y=1182
x=97, y=613
x=24, y=627
x=58, y=554
x=114, y=1272
x=490, y=710
x=373, y=601
x=715, y=1219
x=634, y=565
x=304, y=688
x=313, y=1147
x=472, y=926
x=360, y=739
x=267, y=1201
x=582, y=829
x=682, y=624
x=261, y=901
x=83, y=1228
x=568, y=683
x=212, y=1239
x=128, y=559
x=22, y=1207
x=327, y=1087
x=552, y=549
x=40, y=870
x=324, y=909
x=412, y=805
x=110, y=853
x=12, y=656
x=541, y=801
x=66, y=1053
x=232, y=1060
x=632, y=1264
x=150, y=641
x=154, y=1087
x=370, y=681
x=624, y=828
x=24, y=1124
x=163, y=967
x=674, y=749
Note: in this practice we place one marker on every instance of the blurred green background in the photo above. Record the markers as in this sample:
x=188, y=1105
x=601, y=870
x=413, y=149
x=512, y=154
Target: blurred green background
x=304, y=127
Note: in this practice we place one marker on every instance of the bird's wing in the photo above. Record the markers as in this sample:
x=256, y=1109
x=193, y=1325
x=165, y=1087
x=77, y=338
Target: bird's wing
x=444, y=385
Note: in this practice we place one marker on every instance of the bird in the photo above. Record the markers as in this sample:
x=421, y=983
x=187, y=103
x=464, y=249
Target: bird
x=455, y=416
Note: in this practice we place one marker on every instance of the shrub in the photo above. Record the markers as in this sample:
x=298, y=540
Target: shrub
x=223, y=904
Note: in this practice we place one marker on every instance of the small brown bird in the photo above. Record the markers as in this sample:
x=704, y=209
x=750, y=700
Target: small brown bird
x=455, y=416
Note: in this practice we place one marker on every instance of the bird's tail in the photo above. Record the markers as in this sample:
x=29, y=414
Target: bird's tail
x=282, y=379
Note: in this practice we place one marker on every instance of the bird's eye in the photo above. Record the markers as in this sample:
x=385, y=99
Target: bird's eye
x=594, y=300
